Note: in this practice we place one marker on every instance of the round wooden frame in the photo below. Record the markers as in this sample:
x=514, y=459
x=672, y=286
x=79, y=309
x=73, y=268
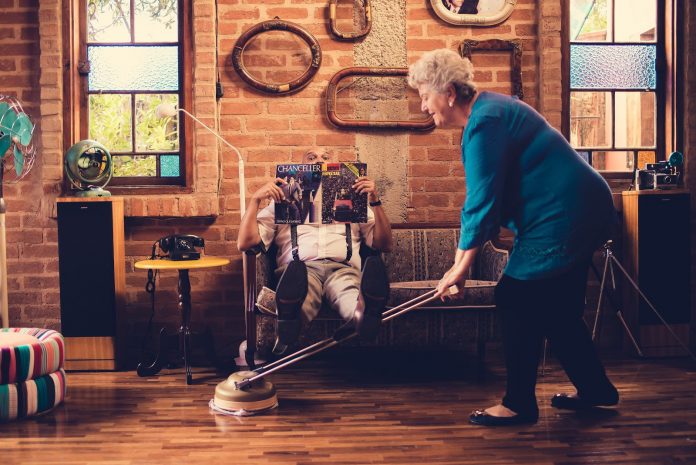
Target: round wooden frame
x=349, y=36
x=276, y=25
x=472, y=20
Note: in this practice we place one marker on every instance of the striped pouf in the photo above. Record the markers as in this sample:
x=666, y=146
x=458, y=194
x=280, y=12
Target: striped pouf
x=32, y=379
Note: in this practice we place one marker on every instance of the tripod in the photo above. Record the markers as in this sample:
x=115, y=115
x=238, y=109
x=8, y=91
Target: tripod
x=609, y=261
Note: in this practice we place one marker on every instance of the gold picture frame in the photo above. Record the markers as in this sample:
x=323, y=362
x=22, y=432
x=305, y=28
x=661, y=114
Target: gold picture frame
x=464, y=19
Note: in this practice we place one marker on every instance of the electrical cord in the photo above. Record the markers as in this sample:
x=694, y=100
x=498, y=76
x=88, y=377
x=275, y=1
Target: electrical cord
x=150, y=288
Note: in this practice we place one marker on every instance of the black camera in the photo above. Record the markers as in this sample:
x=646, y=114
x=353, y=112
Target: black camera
x=660, y=175
x=181, y=247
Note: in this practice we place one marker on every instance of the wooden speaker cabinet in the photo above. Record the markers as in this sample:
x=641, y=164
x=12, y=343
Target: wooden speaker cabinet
x=91, y=261
x=657, y=256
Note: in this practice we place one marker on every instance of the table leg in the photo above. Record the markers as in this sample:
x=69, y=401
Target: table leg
x=185, y=331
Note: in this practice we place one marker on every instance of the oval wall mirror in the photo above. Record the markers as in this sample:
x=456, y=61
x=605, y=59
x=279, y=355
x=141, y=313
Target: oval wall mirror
x=473, y=12
x=276, y=56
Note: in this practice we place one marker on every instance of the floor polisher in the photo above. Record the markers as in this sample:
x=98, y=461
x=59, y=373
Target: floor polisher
x=247, y=393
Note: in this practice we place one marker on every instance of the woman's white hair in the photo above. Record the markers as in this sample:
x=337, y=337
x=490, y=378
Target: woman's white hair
x=439, y=68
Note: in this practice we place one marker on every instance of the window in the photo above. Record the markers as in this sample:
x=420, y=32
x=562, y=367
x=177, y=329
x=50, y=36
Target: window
x=132, y=59
x=617, y=80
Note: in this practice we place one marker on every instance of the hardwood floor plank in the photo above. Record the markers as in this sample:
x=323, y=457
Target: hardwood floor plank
x=340, y=410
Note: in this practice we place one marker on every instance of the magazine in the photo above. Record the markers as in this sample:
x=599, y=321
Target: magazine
x=321, y=194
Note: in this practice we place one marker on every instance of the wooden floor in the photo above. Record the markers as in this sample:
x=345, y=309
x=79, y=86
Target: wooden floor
x=394, y=410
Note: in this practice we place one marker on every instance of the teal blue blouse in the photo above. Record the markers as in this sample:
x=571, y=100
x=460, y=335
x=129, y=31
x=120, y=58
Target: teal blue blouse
x=522, y=174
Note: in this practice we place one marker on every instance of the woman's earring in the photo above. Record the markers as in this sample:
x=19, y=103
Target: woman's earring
x=451, y=104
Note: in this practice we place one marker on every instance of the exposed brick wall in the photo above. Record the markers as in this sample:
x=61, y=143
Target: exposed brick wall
x=268, y=129
x=435, y=173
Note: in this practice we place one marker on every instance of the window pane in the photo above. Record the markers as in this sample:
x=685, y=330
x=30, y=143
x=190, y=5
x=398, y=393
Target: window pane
x=108, y=21
x=613, y=161
x=589, y=20
x=138, y=165
x=110, y=121
x=169, y=165
x=129, y=68
x=156, y=21
x=612, y=66
x=634, y=119
x=153, y=133
x=590, y=119
x=635, y=20
x=584, y=155
x=645, y=157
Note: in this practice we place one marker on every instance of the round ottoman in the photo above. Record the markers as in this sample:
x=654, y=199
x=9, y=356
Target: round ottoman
x=32, y=379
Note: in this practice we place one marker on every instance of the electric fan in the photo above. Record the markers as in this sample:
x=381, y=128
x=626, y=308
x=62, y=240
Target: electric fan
x=16, y=131
x=89, y=167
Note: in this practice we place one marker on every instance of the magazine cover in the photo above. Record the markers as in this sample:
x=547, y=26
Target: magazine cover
x=316, y=194
x=340, y=203
x=303, y=181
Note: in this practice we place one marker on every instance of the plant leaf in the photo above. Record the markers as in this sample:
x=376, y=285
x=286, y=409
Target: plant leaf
x=18, y=160
x=22, y=128
x=5, y=142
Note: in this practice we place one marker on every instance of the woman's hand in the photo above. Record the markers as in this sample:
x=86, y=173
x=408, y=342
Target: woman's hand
x=364, y=184
x=455, y=276
x=271, y=191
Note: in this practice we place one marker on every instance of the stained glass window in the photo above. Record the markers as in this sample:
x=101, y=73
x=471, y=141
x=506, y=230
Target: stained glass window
x=614, y=52
x=133, y=49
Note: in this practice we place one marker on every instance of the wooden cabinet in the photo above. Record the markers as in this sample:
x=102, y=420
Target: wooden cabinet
x=91, y=262
x=657, y=256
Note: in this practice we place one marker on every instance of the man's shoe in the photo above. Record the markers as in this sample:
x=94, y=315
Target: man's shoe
x=290, y=294
x=480, y=417
x=573, y=402
x=374, y=292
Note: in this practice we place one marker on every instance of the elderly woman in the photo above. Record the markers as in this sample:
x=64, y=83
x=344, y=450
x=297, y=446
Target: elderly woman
x=522, y=174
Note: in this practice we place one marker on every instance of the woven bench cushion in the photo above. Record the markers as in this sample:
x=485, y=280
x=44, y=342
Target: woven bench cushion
x=32, y=397
x=477, y=294
x=29, y=353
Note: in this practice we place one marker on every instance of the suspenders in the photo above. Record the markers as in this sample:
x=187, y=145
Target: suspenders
x=295, y=248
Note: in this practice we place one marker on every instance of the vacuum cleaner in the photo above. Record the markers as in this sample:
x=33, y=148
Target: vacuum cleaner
x=246, y=393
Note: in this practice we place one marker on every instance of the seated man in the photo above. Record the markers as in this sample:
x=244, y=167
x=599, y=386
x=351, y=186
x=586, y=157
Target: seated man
x=322, y=261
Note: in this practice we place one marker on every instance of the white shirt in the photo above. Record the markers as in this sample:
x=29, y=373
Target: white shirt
x=315, y=242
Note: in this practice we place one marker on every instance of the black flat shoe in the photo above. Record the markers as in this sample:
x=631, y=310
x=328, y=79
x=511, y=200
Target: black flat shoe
x=571, y=402
x=290, y=294
x=481, y=418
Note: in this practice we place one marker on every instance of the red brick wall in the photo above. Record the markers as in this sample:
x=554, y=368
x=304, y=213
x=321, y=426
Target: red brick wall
x=268, y=129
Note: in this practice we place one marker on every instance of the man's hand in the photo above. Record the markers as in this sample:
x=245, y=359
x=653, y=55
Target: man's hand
x=271, y=191
x=364, y=184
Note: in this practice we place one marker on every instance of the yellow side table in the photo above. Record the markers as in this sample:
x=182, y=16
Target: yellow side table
x=184, y=287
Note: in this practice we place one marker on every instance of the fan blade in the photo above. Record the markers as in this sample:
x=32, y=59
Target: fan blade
x=92, y=172
x=23, y=129
x=7, y=117
x=18, y=161
x=5, y=142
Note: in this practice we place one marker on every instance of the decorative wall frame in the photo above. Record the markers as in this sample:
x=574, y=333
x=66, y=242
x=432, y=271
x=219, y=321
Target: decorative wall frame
x=349, y=36
x=331, y=97
x=514, y=46
x=463, y=19
x=276, y=25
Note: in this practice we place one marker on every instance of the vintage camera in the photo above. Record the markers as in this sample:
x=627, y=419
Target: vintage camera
x=181, y=247
x=660, y=175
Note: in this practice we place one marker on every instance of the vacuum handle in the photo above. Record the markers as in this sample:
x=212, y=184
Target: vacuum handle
x=330, y=342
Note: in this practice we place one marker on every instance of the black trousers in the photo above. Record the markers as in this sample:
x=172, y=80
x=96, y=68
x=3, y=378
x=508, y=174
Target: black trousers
x=548, y=308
